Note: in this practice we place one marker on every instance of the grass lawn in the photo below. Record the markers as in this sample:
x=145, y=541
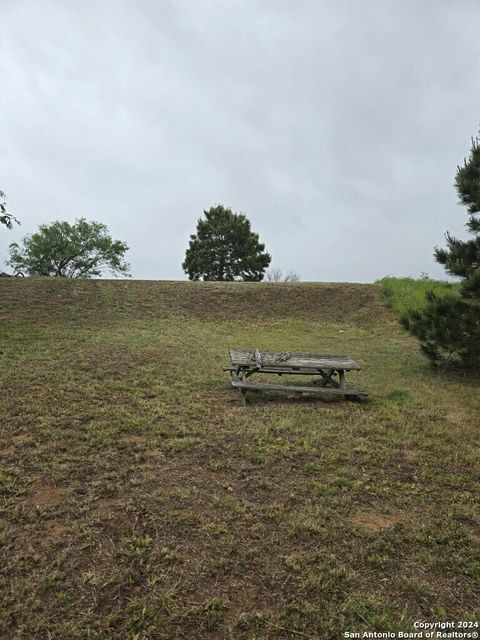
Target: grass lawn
x=407, y=294
x=139, y=499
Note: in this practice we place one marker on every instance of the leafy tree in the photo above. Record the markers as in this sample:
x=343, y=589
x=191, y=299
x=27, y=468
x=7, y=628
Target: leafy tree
x=6, y=218
x=225, y=248
x=448, y=327
x=61, y=249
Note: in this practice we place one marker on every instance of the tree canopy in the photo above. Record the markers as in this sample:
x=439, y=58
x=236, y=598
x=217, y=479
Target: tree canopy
x=60, y=249
x=6, y=218
x=225, y=248
x=449, y=325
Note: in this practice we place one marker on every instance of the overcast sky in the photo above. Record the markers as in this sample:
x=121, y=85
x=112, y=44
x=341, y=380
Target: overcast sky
x=336, y=126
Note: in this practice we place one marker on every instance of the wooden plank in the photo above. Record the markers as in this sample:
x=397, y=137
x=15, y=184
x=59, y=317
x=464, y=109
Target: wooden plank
x=260, y=386
x=288, y=360
x=280, y=370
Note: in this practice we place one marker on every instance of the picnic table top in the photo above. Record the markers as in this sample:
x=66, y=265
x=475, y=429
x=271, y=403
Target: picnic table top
x=284, y=360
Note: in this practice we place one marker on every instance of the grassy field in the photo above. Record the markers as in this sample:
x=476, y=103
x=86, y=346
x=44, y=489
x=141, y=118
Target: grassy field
x=139, y=498
x=407, y=294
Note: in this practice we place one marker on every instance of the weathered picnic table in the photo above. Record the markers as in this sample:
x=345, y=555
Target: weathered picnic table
x=328, y=369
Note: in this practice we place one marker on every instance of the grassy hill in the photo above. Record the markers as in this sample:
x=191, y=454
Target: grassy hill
x=140, y=499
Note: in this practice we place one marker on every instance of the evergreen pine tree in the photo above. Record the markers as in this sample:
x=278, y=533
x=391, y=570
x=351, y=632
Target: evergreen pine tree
x=448, y=327
x=225, y=248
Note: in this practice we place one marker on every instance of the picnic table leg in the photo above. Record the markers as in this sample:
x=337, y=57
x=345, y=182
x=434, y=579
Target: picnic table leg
x=326, y=378
x=242, y=376
x=244, y=396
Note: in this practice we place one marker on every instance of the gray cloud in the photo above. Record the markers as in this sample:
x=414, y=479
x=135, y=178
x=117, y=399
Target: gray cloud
x=335, y=126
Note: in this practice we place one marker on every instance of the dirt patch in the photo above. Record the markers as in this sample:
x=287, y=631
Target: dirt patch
x=107, y=505
x=137, y=440
x=111, y=514
x=22, y=439
x=55, y=529
x=372, y=522
x=8, y=451
x=47, y=496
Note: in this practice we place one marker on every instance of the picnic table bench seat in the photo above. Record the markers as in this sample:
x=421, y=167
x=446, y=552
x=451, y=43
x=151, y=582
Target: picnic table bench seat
x=246, y=362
